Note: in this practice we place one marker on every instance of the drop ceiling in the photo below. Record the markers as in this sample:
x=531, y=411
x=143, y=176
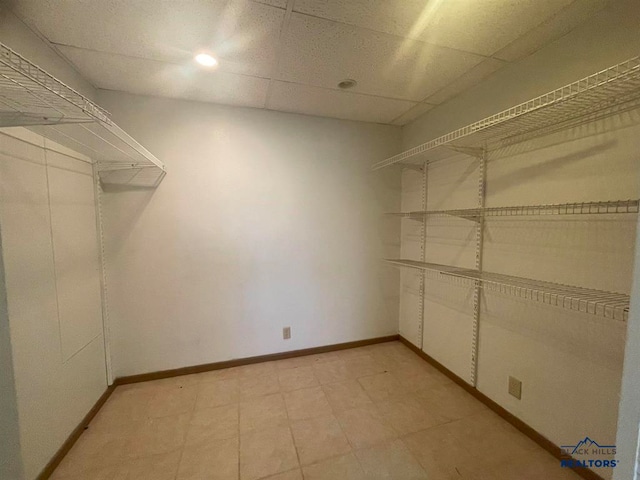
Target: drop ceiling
x=290, y=55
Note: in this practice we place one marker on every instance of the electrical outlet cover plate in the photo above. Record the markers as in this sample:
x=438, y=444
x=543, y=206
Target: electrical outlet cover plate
x=286, y=333
x=515, y=387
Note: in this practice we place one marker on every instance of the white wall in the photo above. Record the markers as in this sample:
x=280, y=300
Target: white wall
x=17, y=36
x=10, y=457
x=49, y=248
x=609, y=37
x=629, y=416
x=264, y=220
x=50, y=253
x=570, y=364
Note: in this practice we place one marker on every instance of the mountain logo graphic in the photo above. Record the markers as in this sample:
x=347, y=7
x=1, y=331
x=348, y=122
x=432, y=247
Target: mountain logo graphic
x=586, y=443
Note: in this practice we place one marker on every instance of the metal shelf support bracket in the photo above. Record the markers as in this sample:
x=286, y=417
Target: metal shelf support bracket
x=477, y=292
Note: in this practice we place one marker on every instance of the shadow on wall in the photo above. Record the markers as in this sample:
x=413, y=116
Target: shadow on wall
x=131, y=201
x=546, y=168
x=10, y=455
x=604, y=121
x=454, y=294
x=469, y=172
x=584, y=336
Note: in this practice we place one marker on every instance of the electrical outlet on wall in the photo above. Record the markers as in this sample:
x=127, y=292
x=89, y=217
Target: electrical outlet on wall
x=515, y=387
x=286, y=333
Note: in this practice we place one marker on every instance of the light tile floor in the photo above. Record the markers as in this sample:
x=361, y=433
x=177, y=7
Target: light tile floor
x=376, y=412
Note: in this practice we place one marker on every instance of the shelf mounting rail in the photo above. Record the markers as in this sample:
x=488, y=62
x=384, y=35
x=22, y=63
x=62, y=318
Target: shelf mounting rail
x=613, y=86
x=30, y=97
x=586, y=300
x=609, y=207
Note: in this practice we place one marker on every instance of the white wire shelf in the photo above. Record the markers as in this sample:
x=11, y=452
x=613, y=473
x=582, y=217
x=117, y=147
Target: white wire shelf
x=595, y=302
x=436, y=267
x=32, y=98
x=599, y=92
x=580, y=208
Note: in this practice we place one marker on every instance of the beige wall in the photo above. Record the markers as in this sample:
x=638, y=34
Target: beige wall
x=10, y=456
x=629, y=416
x=570, y=364
x=51, y=270
x=264, y=220
x=50, y=253
x=17, y=36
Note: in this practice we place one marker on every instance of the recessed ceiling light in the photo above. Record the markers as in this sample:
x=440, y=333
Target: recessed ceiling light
x=206, y=60
x=348, y=83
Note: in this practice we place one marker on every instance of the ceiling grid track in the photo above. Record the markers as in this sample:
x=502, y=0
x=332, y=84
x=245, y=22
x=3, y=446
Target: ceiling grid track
x=276, y=70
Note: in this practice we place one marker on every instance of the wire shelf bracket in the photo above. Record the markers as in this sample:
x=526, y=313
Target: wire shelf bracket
x=595, y=94
x=610, y=207
x=477, y=291
x=30, y=97
x=601, y=303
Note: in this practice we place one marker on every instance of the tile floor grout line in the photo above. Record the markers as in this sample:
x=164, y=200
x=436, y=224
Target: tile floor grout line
x=326, y=458
x=293, y=439
x=295, y=446
x=353, y=449
x=184, y=445
x=427, y=403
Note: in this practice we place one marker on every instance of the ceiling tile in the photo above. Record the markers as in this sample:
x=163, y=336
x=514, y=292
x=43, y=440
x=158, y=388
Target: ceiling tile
x=152, y=77
x=242, y=33
x=391, y=16
x=413, y=113
x=469, y=79
x=291, y=97
x=403, y=53
x=481, y=27
x=553, y=28
x=322, y=53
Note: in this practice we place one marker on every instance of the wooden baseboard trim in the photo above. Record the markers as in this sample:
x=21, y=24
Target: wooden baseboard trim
x=145, y=377
x=534, y=435
x=47, y=471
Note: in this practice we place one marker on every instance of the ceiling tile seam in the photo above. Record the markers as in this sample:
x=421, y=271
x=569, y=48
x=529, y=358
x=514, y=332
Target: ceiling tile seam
x=394, y=120
x=271, y=79
x=414, y=103
x=178, y=99
x=482, y=79
x=547, y=42
x=344, y=119
x=350, y=92
x=229, y=105
x=279, y=51
x=52, y=46
x=135, y=57
x=543, y=22
x=268, y=5
x=457, y=50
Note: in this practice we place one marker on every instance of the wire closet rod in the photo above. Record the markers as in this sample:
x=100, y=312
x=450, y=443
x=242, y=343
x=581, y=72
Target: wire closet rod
x=586, y=300
x=611, y=207
x=607, y=88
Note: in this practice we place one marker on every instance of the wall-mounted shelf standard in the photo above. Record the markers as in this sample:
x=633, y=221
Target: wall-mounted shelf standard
x=436, y=267
x=596, y=93
x=586, y=300
x=32, y=98
x=581, y=208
